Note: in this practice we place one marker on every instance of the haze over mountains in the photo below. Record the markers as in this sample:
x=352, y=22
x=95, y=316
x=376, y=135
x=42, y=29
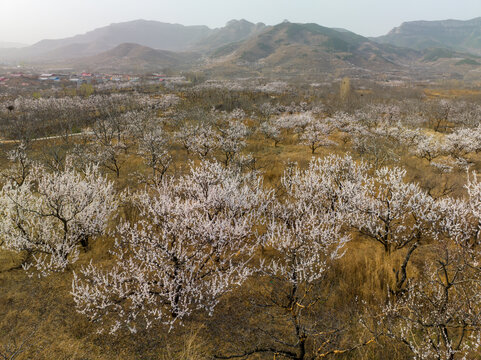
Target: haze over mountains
x=153, y=34
x=245, y=47
x=7, y=45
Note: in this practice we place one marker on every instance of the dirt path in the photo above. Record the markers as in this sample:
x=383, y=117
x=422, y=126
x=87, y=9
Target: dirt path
x=3, y=141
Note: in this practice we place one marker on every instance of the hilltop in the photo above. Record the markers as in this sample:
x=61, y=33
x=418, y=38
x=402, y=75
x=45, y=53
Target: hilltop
x=457, y=35
x=130, y=57
x=290, y=47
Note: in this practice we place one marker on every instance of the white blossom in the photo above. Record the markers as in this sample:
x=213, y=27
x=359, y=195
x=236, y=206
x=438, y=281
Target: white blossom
x=192, y=245
x=50, y=215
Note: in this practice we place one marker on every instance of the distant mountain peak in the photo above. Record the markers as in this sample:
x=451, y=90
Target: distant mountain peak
x=236, y=21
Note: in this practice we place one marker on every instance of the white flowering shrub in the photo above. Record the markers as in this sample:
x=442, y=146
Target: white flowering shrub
x=389, y=210
x=316, y=135
x=193, y=245
x=51, y=215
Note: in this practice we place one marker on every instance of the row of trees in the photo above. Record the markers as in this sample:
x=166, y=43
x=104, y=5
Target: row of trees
x=27, y=118
x=224, y=136
x=123, y=121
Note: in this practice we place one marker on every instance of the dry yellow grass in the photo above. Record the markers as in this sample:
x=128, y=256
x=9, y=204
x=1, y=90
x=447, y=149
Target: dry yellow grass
x=452, y=93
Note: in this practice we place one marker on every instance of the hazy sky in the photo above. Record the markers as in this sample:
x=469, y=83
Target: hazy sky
x=28, y=21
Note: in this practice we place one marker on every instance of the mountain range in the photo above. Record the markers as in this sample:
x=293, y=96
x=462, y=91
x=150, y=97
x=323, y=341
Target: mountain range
x=131, y=57
x=294, y=48
x=457, y=35
x=153, y=34
x=242, y=47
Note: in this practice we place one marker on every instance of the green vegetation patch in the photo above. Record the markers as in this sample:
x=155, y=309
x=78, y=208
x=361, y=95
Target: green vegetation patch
x=468, y=62
x=436, y=54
